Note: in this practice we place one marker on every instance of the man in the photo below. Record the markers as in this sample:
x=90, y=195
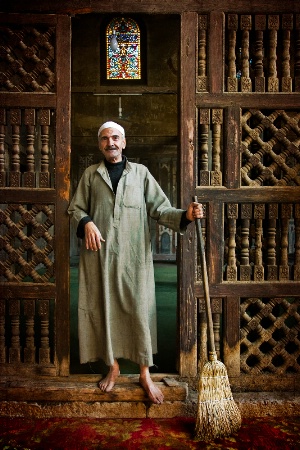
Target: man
x=116, y=309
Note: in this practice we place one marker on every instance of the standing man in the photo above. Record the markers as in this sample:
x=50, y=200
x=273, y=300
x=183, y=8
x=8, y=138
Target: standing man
x=116, y=309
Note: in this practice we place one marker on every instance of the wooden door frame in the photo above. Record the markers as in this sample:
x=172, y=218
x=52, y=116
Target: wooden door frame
x=61, y=101
x=187, y=303
x=62, y=164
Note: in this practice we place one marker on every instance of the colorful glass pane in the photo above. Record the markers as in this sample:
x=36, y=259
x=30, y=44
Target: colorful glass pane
x=123, y=60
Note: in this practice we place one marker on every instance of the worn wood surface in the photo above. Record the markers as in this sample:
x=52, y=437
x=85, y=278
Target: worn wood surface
x=214, y=242
x=251, y=288
x=255, y=100
x=248, y=194
x=67, y=390
x=216, y=49
x=58, y=291
x=15, y=195
x=187, y=306
x=150, y=7
x=232, y=143
x=231, y=344
x=63, y=153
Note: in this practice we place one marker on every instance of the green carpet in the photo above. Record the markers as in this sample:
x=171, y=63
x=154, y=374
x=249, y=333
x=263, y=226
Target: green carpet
x=166, y=298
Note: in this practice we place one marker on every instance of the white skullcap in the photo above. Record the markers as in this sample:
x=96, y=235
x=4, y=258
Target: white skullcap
x=111, y=125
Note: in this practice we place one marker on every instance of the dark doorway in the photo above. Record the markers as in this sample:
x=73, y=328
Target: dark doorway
x=149, y=114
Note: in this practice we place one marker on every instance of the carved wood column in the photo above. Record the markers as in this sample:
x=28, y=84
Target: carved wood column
x=246, y=24
x=273, y=26
x=202, y=53
x=287, y=25
x=2, y=147
x=232, y=25
x=260, y=26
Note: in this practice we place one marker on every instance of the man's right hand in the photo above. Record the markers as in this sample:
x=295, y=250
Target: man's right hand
x=93, y=237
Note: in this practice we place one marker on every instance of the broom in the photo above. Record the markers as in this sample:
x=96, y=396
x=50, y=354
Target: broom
x=217, y=414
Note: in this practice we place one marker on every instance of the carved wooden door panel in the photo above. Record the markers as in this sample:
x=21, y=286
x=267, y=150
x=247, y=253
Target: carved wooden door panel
x=34, y=189
x=240, y=154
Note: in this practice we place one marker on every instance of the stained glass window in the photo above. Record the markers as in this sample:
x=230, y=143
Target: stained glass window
x=123, y=50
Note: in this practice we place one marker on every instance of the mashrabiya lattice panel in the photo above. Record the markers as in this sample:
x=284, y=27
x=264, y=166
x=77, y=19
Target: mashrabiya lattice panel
x=270, y=148
x=27, y=58
x=27, y=243
x=270, y=335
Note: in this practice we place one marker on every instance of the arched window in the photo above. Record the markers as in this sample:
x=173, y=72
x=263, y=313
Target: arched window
x=123, y=50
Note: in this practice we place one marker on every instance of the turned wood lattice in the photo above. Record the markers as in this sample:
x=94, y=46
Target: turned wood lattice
x=261, y=54
x=270, y=340
x=26, y=331
x=26, y=147
x=27, y=58
x=262, y=242
x=210, y=144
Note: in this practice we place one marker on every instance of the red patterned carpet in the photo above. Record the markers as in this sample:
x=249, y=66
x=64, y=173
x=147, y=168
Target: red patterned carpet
x=139, y=434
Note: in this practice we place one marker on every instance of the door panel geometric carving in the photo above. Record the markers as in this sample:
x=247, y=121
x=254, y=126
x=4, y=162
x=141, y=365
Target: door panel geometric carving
x=27, y=58
x=270, y=148
x=27, y=243
x=270, y=335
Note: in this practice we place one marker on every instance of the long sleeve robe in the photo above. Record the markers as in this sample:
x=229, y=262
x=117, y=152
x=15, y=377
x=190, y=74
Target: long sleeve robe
x=117, y=308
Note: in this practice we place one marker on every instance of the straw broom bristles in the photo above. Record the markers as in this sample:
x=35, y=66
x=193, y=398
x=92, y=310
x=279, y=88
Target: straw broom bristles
x=217, y=415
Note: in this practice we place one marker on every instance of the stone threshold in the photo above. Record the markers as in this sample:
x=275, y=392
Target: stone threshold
x=85, y=388
x=79, y=396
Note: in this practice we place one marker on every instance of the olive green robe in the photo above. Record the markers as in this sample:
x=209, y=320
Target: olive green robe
x=116, y=308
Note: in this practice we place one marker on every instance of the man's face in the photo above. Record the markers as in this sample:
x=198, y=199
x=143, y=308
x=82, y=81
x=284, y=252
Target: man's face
x=111, y=144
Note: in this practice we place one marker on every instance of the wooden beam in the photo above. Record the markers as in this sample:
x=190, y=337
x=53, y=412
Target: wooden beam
x=231, y=336
x=187, y=305
x=28, y=195
x=147, y=6
x=216, y=56
x=270, y=194
x=253, y=100
x=27, y=290
x=232, y=148
x=62, y=176
x=251, y=288
x=215, y=242
x=27, y=100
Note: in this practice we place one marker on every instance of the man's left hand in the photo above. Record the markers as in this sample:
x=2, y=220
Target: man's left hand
x=194, y=211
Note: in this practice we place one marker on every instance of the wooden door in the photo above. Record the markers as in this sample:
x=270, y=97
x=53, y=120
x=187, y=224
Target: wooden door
x=34, y=191
x=240, y=155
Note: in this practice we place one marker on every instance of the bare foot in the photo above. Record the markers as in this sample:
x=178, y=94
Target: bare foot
x=107, y=383
x=154, y=394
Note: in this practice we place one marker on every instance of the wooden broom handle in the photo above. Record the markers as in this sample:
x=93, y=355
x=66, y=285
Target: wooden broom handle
x=211, y=340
